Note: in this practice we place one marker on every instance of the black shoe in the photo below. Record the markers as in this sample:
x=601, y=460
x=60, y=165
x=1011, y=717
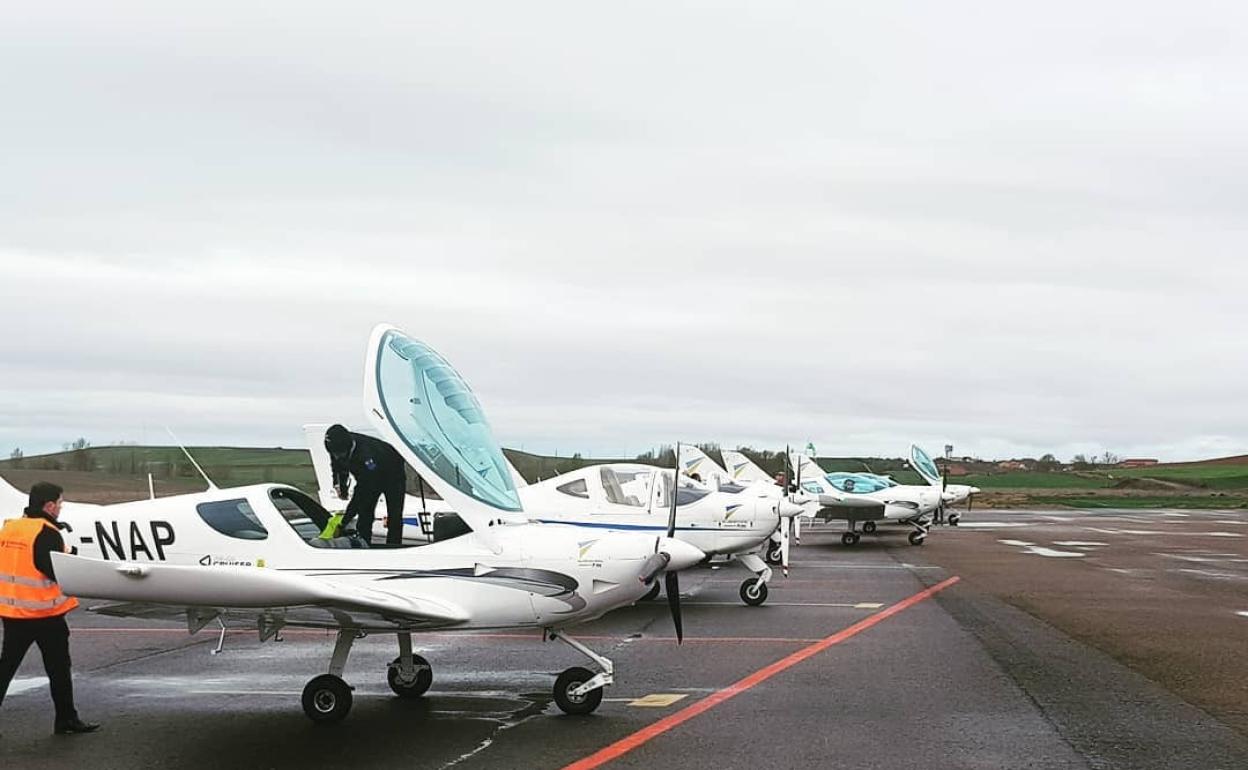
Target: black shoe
x=76, y=726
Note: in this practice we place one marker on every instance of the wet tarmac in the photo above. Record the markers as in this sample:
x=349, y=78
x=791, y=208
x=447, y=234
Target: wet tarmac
x=871, y=656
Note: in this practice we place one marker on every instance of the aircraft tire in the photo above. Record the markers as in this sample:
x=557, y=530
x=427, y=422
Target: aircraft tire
x=417, y=688
x=917, y=538
x=773, y=555
x=753, y=592
x=576, y=704
x=850, y=538
x=954, y=518
x=327, y=699
x=869, y=527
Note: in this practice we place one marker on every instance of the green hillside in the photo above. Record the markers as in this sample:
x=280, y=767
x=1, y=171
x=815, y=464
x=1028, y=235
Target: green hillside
x=113, y=473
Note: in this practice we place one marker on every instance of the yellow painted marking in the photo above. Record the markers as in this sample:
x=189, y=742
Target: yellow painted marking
x=868, y=606
x=658, y=700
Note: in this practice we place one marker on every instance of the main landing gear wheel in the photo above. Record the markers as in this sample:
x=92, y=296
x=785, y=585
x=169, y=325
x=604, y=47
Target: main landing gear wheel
x=917, y=538
x=576, y=704
x=417, y=686
x=653, y=593
x=954, y=518
x=868, y=527
x=774, y=555
x=753, y=592
x=850, y=538
x=327, y=699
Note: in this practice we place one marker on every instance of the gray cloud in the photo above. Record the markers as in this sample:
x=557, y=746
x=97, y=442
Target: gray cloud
x=1014, y=229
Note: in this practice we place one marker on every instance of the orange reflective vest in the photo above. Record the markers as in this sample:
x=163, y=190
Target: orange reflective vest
x=25, y=592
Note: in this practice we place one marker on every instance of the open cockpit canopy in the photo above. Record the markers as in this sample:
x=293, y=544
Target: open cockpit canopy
x=923, y=464
x=427, y=404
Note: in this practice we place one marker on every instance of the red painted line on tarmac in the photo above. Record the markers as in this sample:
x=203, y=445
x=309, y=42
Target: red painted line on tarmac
x=463, y=636
x=644, y=735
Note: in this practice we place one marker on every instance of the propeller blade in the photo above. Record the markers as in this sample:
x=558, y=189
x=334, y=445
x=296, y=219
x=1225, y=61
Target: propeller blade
x=784, y=544
x=671, y=517
x=671, y=584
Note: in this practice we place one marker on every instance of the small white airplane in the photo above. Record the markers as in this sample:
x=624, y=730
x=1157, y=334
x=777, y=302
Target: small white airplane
x=612, y=497
x=866, y=498
x=950, y=494
x=631, y=497
x=697, y=464
x=252, y=557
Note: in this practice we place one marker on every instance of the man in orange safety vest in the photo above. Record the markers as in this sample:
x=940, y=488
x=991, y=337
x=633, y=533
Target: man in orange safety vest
x=31, y=603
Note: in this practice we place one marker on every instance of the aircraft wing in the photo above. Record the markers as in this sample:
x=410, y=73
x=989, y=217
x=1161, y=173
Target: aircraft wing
x=152, y=590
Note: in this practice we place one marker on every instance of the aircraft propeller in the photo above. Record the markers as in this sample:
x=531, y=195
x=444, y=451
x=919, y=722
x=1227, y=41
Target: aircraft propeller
x=671, y=580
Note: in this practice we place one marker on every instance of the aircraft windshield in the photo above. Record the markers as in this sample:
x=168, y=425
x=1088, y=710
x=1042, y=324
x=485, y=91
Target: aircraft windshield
x=924, y=465
x=856, y=483
x=433, y=410
x=627, y=486
x=885, y=480
x=688, y=491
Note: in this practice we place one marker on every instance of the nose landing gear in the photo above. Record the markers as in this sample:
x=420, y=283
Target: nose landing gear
x=579, y=690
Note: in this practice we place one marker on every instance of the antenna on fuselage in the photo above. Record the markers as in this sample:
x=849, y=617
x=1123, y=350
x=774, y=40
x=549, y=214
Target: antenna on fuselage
x=189, y=457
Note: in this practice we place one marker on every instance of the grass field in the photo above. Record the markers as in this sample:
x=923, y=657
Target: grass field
x=1143, y=501
x=1032, y=480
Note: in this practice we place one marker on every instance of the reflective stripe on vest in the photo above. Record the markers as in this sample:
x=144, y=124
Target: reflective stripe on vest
x=33, y=582
x=29, y=605
x=25, y=592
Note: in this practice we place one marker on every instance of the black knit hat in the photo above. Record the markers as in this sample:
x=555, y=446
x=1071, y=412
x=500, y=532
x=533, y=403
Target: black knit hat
x=42, y=493
x=337, y=439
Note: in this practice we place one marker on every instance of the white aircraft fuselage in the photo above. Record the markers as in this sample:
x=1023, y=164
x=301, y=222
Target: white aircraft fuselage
x=505, y=577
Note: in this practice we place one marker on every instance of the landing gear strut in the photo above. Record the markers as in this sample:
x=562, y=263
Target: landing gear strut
x=327, y=698
x=774, y=554
x=408, y=675
x=754, y=590
x=579, y=690
x=919, y=534
x=851, y=536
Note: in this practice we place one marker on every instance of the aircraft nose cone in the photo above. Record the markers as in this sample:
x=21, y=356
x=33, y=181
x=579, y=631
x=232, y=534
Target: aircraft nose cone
x=683, y=554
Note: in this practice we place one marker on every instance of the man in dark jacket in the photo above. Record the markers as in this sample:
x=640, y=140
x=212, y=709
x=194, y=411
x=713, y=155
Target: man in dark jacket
x=378, y=470
x=32, y=605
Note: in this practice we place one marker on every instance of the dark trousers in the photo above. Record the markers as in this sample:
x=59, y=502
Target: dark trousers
x=364, y=505
x=52, y=636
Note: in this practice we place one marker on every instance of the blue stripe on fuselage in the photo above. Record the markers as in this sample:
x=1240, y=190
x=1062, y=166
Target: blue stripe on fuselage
x=603, y=525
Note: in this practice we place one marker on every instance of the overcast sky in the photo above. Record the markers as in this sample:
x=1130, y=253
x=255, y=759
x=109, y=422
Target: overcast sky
x=1013, y=227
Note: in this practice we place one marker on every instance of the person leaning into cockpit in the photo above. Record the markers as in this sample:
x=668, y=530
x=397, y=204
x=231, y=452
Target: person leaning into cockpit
x=378, y=470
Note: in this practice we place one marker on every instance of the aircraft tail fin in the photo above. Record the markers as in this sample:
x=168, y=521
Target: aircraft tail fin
x=806, y=468
x=694, y=460
x=742, y=469
x=12, y=500
x=315, y=435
